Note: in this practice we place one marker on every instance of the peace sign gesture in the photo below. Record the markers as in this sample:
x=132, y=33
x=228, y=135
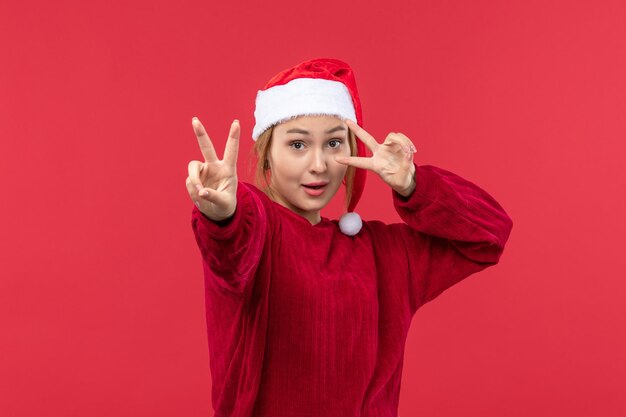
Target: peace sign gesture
x=212, y=184
x=392, y=160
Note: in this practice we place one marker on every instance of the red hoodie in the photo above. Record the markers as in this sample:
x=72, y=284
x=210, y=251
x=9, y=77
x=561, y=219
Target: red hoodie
x=304, y=320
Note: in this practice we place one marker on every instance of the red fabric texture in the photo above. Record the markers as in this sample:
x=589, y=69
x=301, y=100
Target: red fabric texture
x=303, y=320
x=335, y=70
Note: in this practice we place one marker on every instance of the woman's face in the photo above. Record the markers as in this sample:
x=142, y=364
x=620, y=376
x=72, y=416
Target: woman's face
x=302, y=152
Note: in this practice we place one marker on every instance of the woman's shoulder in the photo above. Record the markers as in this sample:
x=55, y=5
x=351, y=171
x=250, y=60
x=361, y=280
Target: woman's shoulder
x=253, y=188
x=258, y=196
x=256, y=192
x=389, y=235
x=380, y=226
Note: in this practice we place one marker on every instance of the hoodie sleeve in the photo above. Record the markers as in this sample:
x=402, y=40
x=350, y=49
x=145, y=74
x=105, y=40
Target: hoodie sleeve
x=231, y=248
x=455, y=229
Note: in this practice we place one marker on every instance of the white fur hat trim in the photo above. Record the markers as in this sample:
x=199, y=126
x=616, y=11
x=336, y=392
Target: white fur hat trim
x=301, y=96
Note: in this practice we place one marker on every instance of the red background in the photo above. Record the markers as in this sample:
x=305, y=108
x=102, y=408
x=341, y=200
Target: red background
x=101, y=291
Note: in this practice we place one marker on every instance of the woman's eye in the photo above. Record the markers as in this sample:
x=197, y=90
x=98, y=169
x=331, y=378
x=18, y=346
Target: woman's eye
x=294, y=145
x=337, y=141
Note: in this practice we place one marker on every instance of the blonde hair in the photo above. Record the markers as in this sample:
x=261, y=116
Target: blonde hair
x=262, y=177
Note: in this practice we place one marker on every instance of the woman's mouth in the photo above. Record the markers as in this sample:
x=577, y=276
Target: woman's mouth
x=315, y=190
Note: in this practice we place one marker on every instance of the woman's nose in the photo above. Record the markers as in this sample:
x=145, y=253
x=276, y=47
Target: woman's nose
x=318, y=164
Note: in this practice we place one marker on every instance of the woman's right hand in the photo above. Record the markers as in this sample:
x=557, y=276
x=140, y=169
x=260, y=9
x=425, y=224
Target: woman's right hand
x=212, y=184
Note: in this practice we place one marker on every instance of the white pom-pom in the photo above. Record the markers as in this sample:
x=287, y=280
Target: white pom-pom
x=350, y=223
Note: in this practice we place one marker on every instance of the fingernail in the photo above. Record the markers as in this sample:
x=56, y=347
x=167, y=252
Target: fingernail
x=198, y=187
x=205, y=193
x=236, y=121
x=194, y=118
x=197, y=204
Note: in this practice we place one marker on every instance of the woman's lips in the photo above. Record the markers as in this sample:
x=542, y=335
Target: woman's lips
x=314, y=191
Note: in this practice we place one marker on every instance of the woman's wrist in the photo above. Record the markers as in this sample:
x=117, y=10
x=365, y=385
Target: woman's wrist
x=406, y=192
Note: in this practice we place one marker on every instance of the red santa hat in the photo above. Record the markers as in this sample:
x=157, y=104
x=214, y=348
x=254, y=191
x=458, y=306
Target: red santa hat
x=321, y=86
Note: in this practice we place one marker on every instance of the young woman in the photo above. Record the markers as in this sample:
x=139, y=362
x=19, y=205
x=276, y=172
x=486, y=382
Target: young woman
x=308, y=316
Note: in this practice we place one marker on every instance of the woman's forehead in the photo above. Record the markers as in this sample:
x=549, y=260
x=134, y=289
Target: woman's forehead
x=312, y=124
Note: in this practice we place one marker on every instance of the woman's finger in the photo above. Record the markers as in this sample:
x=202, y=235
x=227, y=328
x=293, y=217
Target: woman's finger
x=365, y=137
x=193, y=191
x=198, y=192
x=198, y=195
x=408, y=140
x=215, y=197
x=357, y=161
x=401, y=141
x=206, y=146
x=209, y=194
x=194, y=169
x=232, y=145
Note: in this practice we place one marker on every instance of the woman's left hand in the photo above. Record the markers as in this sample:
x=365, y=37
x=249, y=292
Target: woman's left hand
x=392, y=160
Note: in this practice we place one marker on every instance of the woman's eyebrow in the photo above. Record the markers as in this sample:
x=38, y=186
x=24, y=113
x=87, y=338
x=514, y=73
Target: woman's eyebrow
x=306, y=132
